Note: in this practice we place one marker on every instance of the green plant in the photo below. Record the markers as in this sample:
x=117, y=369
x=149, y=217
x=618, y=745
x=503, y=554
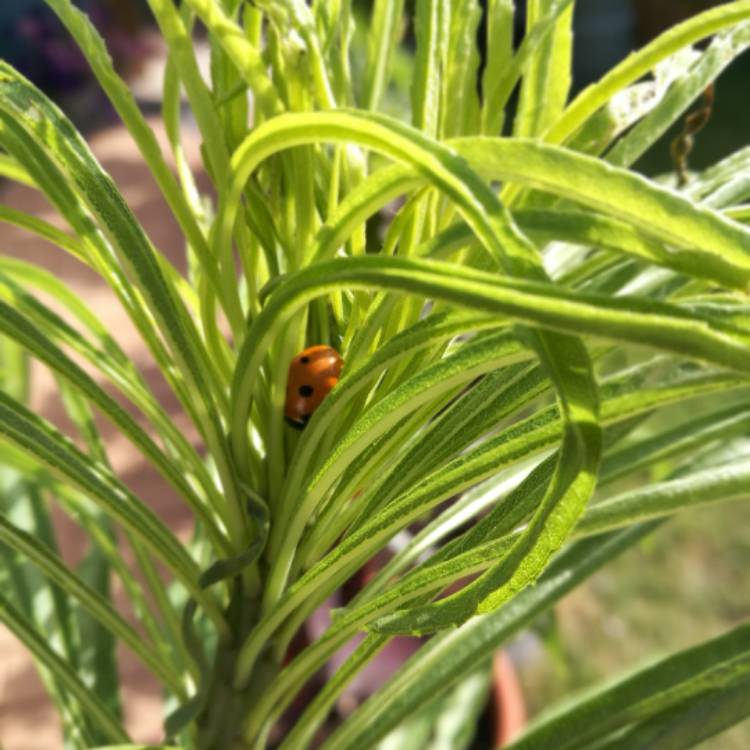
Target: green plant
x=571, y=303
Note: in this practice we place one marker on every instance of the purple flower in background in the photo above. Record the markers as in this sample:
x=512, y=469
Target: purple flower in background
x=33, y=40
x=53, y=61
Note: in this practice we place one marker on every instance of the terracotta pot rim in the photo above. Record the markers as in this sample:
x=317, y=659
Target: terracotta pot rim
x=508, y=704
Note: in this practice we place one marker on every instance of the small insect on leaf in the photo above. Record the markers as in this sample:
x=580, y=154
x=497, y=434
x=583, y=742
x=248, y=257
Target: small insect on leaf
x=312, y=374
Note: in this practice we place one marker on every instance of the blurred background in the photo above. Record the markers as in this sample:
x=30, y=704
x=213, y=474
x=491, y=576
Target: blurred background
x=698, y=583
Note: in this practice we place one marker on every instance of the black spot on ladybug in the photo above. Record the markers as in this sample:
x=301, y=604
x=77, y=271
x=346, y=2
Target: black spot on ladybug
x=304, y=360
x=306, y=390
x=306, y=418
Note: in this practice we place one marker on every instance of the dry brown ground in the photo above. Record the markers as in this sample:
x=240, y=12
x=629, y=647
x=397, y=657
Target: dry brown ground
x=27, y=720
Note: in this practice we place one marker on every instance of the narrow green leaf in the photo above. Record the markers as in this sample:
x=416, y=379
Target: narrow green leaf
x=37, y=645
x=53, y=567
x=383, y=36
x=654, y=324
x=505, y=78
x=456, y=716
x=93, y=47
x=225, y=80
x=22, y=331
x=12, y=170
x=39, y=117
x=461, y=111
x=709, y=243
x=629, y=197
x=434, y=329
x=712, y=178
x=547, y=78
x=304, y=728
x=689, y=724
x=724, y=48
x=511, y=495
x=445, y=376
x=108, y=358
x=498, y=395
x=243, y=54
x=493, y=224
x=33, y=435
x=43, y=229
x=716, y=664
x=431, y=31
x=500, y=19
x=629, y=509
x=95, y=652
x=172, y=116
x=635, y=66
x=662, y=498
x=15, y=370
x=722, y=425
x=444, y=660
x=622, y=400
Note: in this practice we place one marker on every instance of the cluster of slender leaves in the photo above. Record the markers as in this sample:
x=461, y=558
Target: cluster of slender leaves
x=520, y=315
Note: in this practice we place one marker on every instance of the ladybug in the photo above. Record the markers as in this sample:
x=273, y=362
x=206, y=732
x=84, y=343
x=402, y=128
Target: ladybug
x=312, y=374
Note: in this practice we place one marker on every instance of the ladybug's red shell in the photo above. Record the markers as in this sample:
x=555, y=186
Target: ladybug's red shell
x=312, y=374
